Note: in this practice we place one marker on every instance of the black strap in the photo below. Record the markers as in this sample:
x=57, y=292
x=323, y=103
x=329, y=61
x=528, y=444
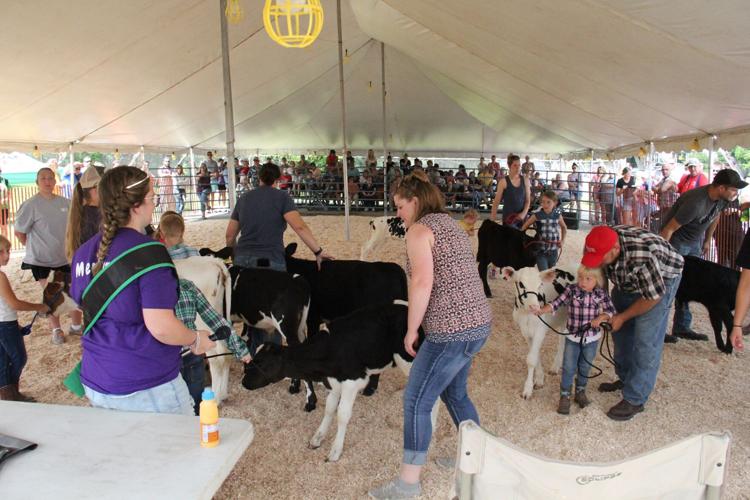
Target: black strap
x=118, y=274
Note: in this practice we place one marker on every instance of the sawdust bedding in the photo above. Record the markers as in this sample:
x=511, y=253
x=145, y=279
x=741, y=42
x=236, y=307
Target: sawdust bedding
x=699, y=389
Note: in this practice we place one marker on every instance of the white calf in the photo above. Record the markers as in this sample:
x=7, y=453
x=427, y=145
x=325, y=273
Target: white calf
x=532, y=290
x=211, y=277
x=382, y=229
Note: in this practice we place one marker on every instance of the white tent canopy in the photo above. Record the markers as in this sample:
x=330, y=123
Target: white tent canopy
x=471, y=76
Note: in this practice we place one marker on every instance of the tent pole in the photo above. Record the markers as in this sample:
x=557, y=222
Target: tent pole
x=343, y=122
x=711, y=145
x=72, y=170
x=228, y=109
x=192, y=173
x=385, y=145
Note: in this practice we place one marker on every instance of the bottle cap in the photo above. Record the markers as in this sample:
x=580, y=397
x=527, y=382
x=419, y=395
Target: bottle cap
x=207, y=394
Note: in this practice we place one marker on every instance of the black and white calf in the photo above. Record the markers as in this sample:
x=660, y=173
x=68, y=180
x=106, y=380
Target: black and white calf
x=533, y=289
x=382, y=229
x=352, y=349
x=341, y=287
x=714, y=287
x=503, y=246
x=274, y=301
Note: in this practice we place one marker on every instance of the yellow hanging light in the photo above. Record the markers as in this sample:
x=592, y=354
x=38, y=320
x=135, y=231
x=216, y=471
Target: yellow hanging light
x=174, y=156
x=642, y=152
x=293, y=23
x=696, y=145
x=36, y=153
x=234, y=12
x=117, y=154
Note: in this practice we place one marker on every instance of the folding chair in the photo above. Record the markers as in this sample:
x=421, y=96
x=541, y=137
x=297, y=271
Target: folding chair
x=488, y=467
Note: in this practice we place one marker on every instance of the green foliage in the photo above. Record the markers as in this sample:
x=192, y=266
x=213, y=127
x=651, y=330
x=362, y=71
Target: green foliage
x=742, y=155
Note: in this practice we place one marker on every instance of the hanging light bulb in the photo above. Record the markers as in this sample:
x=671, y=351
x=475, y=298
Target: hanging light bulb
x=174, y=156
x=346, y=56
x=369, y=86
x=293, y=23
x=234, y=12
x=641, y=152
x=117, y=154
x=36, y=153
x=696, y=145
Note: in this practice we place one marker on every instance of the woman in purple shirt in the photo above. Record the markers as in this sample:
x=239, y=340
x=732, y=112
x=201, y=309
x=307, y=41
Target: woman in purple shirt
x=131, y=355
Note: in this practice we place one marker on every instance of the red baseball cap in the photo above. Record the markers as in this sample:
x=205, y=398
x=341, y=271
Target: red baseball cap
x=599, y=241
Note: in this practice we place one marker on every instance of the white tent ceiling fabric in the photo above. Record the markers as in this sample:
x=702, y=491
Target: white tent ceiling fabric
x=471, y=76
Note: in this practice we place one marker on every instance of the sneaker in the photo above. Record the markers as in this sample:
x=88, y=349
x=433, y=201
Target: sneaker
x=58, y=337
x=670, y=339
x=624, y=411
x=396, y=489
x=446, y=462
x=581, y=399
x=75, y=331
x=690, y=335
x=617, y=385
x=563, y=407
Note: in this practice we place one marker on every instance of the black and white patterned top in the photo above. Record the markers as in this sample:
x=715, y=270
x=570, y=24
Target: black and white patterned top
x=645, y=261
x=548, y=226
x=458, y=309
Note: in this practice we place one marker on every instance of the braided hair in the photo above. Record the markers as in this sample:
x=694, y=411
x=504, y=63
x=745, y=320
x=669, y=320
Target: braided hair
x=115, y=201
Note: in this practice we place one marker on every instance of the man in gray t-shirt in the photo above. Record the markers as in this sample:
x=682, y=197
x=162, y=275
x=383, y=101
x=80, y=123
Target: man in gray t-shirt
x=211, y=163
x=689, y=226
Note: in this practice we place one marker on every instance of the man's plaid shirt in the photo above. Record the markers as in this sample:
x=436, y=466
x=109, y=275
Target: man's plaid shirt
x=645, y=261
x=192, y=303
x=583, y=307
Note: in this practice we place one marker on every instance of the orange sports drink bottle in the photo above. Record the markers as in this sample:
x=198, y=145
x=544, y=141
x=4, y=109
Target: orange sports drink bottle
x=209, y=419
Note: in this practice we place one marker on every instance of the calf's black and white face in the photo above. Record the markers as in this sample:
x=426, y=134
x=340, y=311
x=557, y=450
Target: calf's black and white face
x=265, y=369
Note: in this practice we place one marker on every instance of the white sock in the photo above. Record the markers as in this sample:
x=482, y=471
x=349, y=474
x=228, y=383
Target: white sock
x=76, y=327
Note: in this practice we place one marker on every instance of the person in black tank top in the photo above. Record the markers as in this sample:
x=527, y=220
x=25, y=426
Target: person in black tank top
x=513, y=191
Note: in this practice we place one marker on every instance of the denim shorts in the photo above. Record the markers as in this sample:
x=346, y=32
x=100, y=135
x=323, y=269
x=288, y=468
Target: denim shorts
x=171, y=397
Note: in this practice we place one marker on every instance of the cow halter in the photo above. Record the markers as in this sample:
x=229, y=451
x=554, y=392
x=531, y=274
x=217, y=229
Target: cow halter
x=522, y=295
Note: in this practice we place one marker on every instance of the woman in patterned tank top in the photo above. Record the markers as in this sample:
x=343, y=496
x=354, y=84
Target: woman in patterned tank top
x=446, y=299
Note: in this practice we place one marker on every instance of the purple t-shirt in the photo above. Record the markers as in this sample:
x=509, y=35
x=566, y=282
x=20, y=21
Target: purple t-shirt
x=120, y=356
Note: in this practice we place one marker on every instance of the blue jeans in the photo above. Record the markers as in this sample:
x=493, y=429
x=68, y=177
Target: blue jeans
x=440, y=369
x=683, y=318
x=576, y=365
x=171, y=397
x=639, y=343
x=180, y=206
x=258, y=336
x=546, y=259
x=203, y=197
x=12, y=353
x=193, y=371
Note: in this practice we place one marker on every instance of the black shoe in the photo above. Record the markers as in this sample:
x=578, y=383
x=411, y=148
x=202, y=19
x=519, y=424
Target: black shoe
x=624, y=411
x=611, y=386
x=670, y=339
x=690, y=335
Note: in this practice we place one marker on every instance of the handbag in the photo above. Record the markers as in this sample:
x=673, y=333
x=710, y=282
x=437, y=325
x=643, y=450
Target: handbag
x=108, y=283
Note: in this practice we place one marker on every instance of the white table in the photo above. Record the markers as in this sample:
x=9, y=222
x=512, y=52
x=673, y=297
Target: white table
x=94, y=453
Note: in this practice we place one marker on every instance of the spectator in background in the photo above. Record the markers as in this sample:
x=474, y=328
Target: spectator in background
x=182, y=181
x=41, y=224
x=211, y=164
x=221, y=181
x=742, y=298
x=203, y=188
x=528, y=165
x=4, y=203
x=574, y=188
x=494, y=166
x=666, y=189
x=371, y=159
x=607, y=197
x=560, y=187
x=77, y=166
x=166, y=185
x=461, y=174
x=694, y=178
x=625, y=189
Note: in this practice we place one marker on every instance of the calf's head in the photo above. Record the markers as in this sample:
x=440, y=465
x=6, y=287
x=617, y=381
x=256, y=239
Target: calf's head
x=266, y=367
x=55, y=296
x=528, y=285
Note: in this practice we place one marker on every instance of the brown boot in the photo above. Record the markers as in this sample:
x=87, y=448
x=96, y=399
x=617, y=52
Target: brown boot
x=8, y=393
x=563, y=407
x=581, y=399
x=23, y=397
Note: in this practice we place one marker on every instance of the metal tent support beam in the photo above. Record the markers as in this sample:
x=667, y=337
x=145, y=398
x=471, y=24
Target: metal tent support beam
x=711, y=147
x=228, y=108
x=385, y=144
x=72, y=169
x=343, y=122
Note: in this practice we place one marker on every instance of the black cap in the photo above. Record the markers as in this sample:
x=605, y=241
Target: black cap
x=728, y=177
